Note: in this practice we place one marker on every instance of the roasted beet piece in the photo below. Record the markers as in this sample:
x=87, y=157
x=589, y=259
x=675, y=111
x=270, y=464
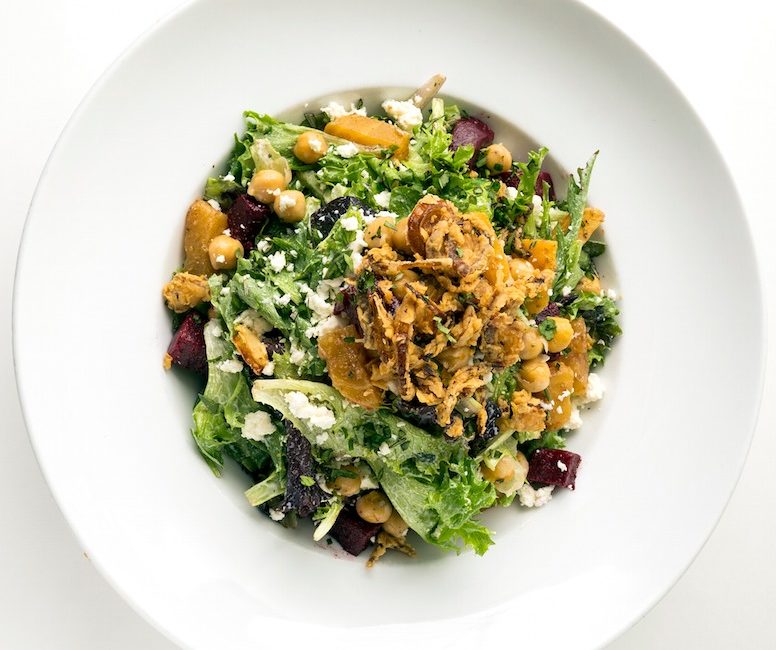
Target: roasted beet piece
x=187, y=348
x=554, y=467
x=302, y=499
x=512, y=179
x=470, y=130
x=324, y=218
x=353, y=533
x=553, y=309
x=539, y=187
x=245, y=218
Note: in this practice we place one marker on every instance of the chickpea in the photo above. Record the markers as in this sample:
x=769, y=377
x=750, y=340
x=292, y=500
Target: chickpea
x=396, y=526
x=497, y=158
x=533, y=344
x=564, y=332
x=266, y=184
x=380, y=232
x=534, y=375
x=224, y=251
x=374, y=507
x=399, y=240
x=521, y=469
x=347, y=486
x=503, y=471
x=310, y=147
x=289, y=205
x=537, y=303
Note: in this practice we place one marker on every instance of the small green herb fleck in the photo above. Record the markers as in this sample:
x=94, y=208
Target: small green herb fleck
x=547, y=328
x=349, y=339
x=307, y=481
x=444, y=329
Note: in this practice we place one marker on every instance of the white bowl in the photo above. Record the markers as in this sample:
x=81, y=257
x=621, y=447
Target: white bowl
x=110, y=427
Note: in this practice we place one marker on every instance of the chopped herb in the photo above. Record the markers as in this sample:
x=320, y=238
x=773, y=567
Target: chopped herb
x=349, y=339
x=444, y=329
x=547, y=328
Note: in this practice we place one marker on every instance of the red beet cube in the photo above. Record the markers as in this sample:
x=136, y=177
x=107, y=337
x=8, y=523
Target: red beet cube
x=554, y=467
x=187, y=348
x=470, y=130
x=353, y=533
x=512, y=179
x=245, y=217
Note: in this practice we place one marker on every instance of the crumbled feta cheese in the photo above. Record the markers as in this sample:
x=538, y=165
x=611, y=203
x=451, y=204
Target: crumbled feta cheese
x=251, y=319
x=286, y=202
x=387, y=215
x=276, y=515
x=229, y=178
x=356, y=247
x=538, y=203
x=562, y=466
x=559, y=410
x=277, y=261
x=316, y=146
x=289, y=267
x=263, y=246
x=564, y=395
x=611, y=294
x=284, y=299
x=531, y=498
x=575, y=420
x=335, y=110
x=318, y=304
x=296, y=355
x=321, y=438
x=383, y=199
x=268, y=369
x=220, y=259
x=326, y=325
x=566, y=291
x=315, y=415
x=511, y=193
x=258, y=425
x=214, y=204
x=595, y=389
x=231, y=366
x=227, y=232
x=384, y=449
x=368, y=482
x=225, y=291
x=349, y=223
x=214, y=328
x=347, y=150
x=406, y=115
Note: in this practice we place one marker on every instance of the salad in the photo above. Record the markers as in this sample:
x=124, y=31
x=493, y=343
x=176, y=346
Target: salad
x=397, y=324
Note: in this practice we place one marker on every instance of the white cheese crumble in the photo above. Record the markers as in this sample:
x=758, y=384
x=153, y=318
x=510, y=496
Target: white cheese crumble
x=275, y=515
x=258, y=425
x=511, y=193
x=562, y=466
x=595, y=389
x=301, y=407
x=356, y=247
x=347, y=150
x=214, y=204
x=296, y=355
x=277, y=261
x=231, y=366
x=368, y=482
x=531, y=498
x=566, y=291
x=538, y=203
x=284, y=299
x=268, y=369
x=383, y=199
x=335, y=110
x=286, y=202
x=611, y=294
x=220, y=259
x=316, y=145
x=251, y=319
x=384, y=449
x=326, y=325
x=406, y=115
x=229, y=178
x=321, y=438
x=263, y=246
x=387, y=214
x=349, y=223
x=575, y=419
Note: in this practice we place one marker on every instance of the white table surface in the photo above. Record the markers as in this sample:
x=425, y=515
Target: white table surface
x=722, y=55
